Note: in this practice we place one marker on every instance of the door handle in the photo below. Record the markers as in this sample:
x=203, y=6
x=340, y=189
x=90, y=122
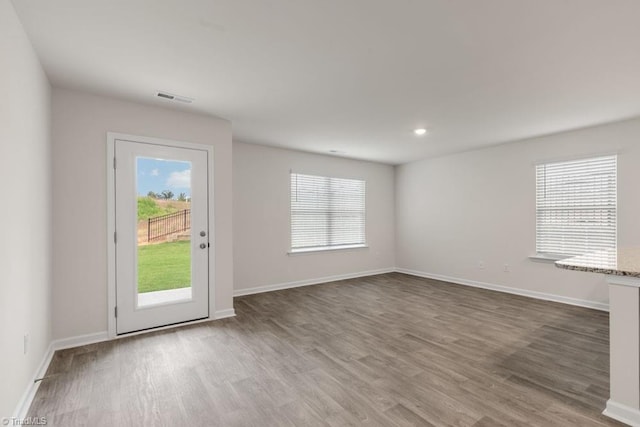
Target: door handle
x=203, y=245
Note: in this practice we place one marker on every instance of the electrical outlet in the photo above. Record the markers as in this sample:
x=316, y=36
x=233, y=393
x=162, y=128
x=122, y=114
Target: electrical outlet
x=481, y=265
x=26, y=343
x=507, y=268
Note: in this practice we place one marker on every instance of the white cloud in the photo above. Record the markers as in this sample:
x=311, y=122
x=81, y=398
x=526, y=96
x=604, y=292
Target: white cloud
x=180, y=179
x=155, y=172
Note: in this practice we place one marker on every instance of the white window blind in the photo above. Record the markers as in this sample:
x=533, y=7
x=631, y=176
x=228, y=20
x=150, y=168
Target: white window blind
x=576, y=203
x=326, y=212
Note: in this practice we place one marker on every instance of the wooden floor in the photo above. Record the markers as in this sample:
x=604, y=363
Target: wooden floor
x=387, y=350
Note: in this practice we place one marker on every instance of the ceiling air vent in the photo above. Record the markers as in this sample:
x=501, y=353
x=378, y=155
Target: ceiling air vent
x=172, y=97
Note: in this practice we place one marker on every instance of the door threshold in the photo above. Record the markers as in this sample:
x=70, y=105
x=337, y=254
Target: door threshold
x=162, y=328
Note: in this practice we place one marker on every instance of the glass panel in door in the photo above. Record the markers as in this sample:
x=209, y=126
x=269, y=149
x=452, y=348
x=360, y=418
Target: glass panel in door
x=163, y=230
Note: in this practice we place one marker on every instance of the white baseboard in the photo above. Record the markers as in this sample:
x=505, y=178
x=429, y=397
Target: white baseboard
x=27, y=397
x=523, y=292
x=309, y=282
x=80, y=340
x=622, y=413
x=223, y=314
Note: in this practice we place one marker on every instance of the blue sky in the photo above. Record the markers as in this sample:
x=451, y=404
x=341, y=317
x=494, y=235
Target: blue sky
x=157, y=175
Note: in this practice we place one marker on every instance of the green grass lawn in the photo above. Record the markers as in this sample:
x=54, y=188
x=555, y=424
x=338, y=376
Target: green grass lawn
x=164, y=266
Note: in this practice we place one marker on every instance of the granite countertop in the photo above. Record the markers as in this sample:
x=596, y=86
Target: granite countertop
x=620, y=262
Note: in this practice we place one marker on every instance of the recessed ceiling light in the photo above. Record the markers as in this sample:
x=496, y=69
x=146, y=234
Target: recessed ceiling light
x=420, y=131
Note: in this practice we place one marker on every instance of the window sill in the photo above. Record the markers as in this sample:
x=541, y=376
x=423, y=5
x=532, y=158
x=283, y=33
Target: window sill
x=326, y=249
x=550, y=258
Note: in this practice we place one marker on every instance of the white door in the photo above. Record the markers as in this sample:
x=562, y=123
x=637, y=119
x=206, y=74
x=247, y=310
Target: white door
x=161, y=235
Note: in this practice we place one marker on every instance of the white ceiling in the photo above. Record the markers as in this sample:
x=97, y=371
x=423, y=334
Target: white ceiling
x=356, y=75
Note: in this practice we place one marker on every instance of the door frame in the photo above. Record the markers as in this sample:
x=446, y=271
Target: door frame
x=111, y=223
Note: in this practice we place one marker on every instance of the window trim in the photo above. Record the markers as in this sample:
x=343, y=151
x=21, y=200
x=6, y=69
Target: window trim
x=303, y=251
x=319, y=249
x=550, y=258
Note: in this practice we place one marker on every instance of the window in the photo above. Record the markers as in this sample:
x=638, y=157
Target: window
x=326, y=213
x=576, y=206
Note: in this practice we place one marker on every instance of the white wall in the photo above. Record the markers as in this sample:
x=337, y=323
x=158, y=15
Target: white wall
x=25, y=242
x=80, y=125
x=261, y=217
x=455, y=211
